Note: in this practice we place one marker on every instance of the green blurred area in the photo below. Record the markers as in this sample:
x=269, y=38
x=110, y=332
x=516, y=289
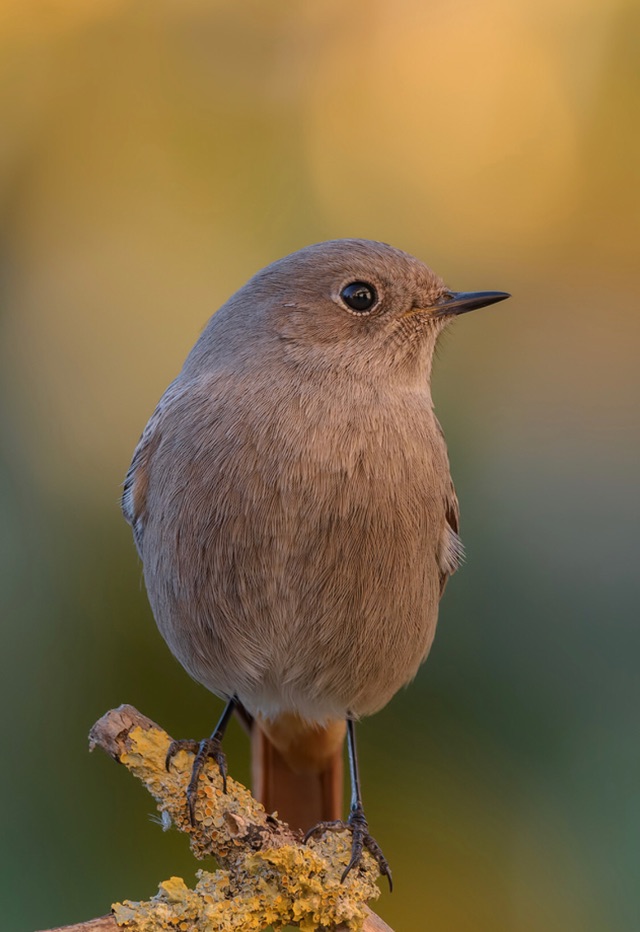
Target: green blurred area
x=152, y=157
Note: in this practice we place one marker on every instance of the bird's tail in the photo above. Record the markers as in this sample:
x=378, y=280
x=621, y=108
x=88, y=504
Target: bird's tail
x=297, y=769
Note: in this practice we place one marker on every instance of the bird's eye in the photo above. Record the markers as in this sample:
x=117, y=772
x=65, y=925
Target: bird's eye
x=359, y=296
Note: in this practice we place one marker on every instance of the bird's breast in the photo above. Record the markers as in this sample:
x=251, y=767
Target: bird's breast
x=294, y=544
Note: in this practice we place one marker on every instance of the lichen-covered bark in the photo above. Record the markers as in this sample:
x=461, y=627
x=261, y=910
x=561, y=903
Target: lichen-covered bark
x=266, y=876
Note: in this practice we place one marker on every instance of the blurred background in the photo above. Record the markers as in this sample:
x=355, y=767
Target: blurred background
x=153, y=155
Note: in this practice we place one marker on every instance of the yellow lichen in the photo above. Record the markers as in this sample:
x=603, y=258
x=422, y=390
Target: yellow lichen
x=268, y=876
x=278, y=887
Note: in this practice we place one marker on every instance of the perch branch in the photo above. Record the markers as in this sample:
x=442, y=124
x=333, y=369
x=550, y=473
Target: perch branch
x=266, y=874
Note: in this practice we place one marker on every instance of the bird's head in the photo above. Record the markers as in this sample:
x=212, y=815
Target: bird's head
x=351, y=304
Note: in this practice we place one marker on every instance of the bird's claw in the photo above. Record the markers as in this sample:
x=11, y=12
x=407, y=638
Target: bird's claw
x=361, y=839
x=208, y=747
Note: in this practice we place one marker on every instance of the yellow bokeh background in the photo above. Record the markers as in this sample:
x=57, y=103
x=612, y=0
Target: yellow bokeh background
x=154, y=155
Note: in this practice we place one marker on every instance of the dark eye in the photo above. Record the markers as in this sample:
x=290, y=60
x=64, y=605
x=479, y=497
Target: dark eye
x=359, y=296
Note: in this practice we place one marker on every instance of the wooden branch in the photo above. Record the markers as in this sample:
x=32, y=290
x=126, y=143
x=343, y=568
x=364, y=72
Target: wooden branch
x=266, y=874
x=372, y=923
x=103, y=924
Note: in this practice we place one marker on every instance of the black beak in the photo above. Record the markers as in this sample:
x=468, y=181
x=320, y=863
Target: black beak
x=462, y=301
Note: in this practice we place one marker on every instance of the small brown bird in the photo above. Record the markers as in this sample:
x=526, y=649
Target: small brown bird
x=293, y=508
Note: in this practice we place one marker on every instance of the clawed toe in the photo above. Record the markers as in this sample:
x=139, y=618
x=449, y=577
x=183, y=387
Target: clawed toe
x=361, y=839
x=182, y=744
x=208, y=747
x=337, y=826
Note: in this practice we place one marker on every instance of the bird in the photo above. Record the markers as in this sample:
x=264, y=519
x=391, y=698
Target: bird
x=292, y=503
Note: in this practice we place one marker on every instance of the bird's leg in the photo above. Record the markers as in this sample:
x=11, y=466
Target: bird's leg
x=356, y=823
x=208, y=747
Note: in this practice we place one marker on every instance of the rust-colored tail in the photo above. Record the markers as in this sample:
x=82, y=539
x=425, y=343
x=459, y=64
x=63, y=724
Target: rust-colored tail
x=297, y=769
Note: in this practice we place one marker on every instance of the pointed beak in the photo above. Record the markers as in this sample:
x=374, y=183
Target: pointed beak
x=462, y=301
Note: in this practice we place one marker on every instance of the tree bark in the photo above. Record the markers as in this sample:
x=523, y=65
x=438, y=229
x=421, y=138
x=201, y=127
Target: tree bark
x=266, y=874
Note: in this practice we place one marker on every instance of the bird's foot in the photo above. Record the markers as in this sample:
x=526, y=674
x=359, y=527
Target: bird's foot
x=360, y=839
x=208, y=747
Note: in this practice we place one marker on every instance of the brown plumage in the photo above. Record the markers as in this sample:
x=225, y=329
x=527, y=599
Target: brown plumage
x=292, y=504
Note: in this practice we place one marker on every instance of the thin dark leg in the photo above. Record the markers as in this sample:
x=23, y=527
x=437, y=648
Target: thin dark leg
x=354, y=772
x=208, y=747
x=356, y=822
